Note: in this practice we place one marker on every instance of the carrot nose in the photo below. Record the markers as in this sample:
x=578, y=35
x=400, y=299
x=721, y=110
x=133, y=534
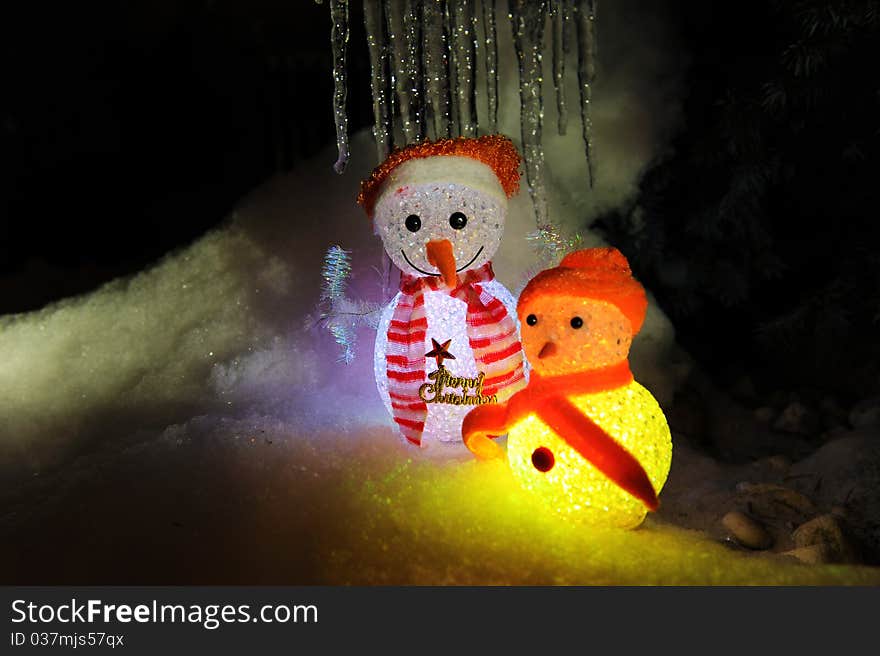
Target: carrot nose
x=547, y=350
x=441, y=256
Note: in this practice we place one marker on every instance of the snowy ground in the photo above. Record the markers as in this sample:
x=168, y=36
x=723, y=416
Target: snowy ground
x=188, y=425
x=249, y=502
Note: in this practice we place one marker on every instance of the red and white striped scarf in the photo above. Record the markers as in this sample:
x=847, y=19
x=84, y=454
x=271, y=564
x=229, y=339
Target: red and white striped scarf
x=491, y=333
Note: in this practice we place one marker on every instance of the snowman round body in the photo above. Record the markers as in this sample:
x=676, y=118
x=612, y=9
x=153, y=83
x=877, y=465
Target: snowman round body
x=447, y=320
x=573, y=486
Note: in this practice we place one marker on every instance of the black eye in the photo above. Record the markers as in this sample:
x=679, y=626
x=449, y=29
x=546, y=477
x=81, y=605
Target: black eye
x=576, y=322
x=413, y=223
x=457, y=220
x=542, y=459
x=531, y=319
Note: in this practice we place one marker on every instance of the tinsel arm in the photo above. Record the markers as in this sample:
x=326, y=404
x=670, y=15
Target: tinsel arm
x=340, y=314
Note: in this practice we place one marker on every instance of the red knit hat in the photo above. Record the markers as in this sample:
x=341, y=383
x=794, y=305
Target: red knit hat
x=602, y=274
x=495, y=151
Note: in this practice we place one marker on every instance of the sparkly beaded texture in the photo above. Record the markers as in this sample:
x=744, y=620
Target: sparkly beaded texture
x=574, y=487
x=452, y=194
x=584, y=436
x=435, y=203
x=496, y=151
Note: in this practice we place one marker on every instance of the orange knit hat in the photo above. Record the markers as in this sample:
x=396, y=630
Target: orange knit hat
x=598, y=273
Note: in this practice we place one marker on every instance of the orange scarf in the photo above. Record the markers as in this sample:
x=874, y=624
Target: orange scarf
x=548, y=398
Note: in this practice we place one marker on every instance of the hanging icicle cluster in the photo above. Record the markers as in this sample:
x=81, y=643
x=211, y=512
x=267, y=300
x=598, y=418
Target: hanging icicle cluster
x=528, y=18
x=424, y=59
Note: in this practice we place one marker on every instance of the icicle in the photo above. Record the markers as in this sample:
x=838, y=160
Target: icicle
x=339, y=44
x=528, y=19
x=561, y=15
x=491, y=63
x=452, y=69
x=412, y=24
x=373, y=22
x=475, y=58
x=436, y=67
x=461, y=30
x=399, y=67
x=585, y=13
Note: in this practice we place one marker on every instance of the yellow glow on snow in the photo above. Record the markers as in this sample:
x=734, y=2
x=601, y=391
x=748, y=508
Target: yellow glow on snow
x=419, y=521
x=574, y=487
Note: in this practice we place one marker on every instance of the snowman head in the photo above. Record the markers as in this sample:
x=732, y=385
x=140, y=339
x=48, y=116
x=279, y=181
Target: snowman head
x=440, y=207
x=581, y=315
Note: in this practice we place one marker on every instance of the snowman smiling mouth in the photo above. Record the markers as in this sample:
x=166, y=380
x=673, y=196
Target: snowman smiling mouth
x=428, y=273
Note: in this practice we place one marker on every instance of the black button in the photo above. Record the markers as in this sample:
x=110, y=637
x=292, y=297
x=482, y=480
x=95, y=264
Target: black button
x=542, y=459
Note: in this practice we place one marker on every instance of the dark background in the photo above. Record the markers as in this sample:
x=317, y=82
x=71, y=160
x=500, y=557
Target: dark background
x=128, y=129
x=759, y=233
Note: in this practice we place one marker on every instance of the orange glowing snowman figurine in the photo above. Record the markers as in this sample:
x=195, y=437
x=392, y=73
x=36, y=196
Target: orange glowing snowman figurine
x=583, y=435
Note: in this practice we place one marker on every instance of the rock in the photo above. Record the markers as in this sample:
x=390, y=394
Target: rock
x=815, y=554
x=779, y=462
x=846, y=472
x=776, y=501
x=826, y=531
x=865, y=414
x=765, y=414
x=746, y=531
x=798, y=418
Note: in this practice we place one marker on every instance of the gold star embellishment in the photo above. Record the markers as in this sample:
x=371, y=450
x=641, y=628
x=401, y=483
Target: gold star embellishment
x=439, y=352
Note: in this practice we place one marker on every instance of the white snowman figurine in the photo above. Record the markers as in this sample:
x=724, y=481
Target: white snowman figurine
x=449, y=339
